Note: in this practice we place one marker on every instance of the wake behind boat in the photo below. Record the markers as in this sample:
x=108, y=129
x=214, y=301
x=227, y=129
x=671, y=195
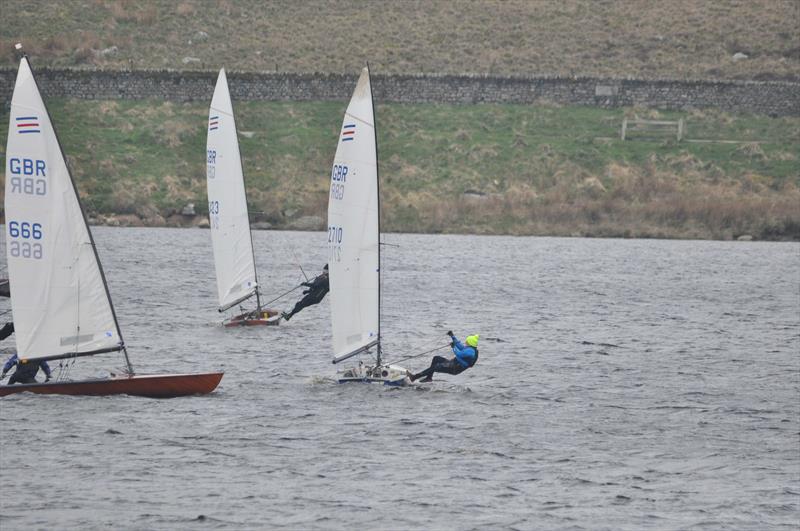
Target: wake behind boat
x=231, y=239
x=354, y=244
x=59, y=297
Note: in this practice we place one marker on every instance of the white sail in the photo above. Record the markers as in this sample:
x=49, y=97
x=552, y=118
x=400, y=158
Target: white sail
x=58, y=292
x=353, y=228
x=227, y=203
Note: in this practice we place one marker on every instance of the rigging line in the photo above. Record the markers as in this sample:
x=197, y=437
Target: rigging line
x=283, y=294
x=301, y=270
x=425, y=344
x=418, y=355
x=297, y=261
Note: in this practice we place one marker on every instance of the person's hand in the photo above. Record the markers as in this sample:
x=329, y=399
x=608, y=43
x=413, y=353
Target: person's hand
x=450, y=333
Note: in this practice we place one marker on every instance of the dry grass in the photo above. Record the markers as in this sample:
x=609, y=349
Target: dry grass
x=535, y=170
x=640, y=38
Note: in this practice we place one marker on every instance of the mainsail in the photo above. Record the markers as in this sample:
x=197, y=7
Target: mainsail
x=59, y=298
x=353, y=230
x=227, y=203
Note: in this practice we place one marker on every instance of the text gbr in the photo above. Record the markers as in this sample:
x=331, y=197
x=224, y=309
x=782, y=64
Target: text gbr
x=28, y=176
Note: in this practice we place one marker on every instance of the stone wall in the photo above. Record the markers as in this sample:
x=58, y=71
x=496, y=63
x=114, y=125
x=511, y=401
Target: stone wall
x=775, y=98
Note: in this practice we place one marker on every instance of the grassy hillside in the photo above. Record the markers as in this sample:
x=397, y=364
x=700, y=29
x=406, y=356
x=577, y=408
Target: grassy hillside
x=483, y=169
x=619, y=38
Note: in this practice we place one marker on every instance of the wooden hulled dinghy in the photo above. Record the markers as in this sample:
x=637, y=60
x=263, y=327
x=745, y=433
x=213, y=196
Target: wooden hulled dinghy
x=59, y=296
x=254, y=318
x=151, y=386
x=228, y=217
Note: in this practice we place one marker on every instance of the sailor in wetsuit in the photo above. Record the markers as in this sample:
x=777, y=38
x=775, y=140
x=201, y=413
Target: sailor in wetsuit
x=6, y=331
x=465, y=357
x=26, y=370
x=316, y=291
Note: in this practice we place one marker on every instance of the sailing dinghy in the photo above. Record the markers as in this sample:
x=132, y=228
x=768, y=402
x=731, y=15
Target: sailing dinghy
x=234, y=259
x=59, y=297
x=354, y=246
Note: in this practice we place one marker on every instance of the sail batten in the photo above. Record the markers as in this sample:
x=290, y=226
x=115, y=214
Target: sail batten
x=231, y=239
x=353, y=213
x=356, y=352
x=238, y=301
x=59, y=293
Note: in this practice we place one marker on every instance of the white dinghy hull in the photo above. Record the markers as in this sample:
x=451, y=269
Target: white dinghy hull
x=385, y=374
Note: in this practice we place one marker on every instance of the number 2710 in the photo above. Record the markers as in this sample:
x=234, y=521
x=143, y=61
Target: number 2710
x=334, y=234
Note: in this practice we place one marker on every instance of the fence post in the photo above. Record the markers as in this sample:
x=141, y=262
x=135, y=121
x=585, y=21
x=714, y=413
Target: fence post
x=624, y=128
x=680, y=129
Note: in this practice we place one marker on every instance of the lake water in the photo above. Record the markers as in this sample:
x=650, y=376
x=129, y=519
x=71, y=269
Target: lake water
x=622, y=384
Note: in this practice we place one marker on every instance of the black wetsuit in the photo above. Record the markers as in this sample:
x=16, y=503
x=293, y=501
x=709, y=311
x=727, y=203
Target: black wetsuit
x=317, y=289
x=6, y=331
x=440, y=364
x=26, y=372
x=447, y=366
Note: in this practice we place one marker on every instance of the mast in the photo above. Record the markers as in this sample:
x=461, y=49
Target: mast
x=378, y=179
x=246, y=207
x=121, y=347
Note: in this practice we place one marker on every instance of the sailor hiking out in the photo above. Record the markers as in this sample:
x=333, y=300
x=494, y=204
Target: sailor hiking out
x=465, y=357
x=317, y=289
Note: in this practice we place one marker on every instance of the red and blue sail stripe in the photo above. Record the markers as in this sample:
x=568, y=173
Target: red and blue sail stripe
x=348, y=132
x=28, y=124
x=213, y=123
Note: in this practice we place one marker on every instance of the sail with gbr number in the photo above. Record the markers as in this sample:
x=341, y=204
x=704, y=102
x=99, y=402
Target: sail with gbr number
x=227, y=203
x=59, y=297
x=61, y=303
x=354, y=243
x=353, y=230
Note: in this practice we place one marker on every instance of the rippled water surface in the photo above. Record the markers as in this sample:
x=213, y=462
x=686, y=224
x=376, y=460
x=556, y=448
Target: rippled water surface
x=622, y=384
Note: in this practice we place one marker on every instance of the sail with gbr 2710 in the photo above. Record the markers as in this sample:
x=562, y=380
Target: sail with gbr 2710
x=354, y=244
x=59, y=297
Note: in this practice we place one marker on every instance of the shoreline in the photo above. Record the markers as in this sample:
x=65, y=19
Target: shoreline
x=654, y=233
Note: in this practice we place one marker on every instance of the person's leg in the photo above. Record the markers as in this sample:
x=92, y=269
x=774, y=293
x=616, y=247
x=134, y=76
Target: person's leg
x=22, y=378
x=436, y=363
x=296, y=309
x=439, y=364
x=308, y=300
x=452, y=367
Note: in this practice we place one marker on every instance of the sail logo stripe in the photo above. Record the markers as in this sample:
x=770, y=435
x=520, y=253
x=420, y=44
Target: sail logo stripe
x=348, y=132
x=213, y=123
x=28, y=124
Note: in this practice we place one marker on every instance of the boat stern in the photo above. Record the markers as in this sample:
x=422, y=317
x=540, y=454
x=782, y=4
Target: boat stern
x=262, y=318
x=392, y=375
